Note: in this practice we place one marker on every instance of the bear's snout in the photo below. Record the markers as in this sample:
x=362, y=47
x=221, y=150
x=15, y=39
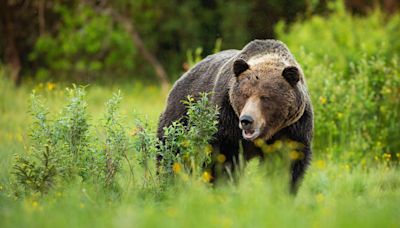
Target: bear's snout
x=249, y=132
x=246, y=121
x=250, y=120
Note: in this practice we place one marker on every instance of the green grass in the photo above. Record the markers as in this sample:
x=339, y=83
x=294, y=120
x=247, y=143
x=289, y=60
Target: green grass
x=334, y=193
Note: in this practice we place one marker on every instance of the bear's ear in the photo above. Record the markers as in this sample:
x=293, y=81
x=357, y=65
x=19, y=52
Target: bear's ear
x=291, y=74
x=240, y=66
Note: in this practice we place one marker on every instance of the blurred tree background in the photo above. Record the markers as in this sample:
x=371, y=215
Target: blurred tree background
x=147, y=40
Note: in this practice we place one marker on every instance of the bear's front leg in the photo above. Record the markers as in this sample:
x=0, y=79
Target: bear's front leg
x=298, y=168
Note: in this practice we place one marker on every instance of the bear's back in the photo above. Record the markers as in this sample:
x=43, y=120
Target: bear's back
x=201, y=77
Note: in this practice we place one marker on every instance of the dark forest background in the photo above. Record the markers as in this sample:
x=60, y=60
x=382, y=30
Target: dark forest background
x=146, y=40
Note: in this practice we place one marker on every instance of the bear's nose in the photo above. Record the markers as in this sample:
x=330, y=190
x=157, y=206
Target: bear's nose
x=246, y=121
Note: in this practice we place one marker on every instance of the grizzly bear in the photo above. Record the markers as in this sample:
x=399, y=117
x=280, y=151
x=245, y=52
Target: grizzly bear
x=261, y=93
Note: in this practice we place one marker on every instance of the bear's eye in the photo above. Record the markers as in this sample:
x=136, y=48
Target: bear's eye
x=265, y=98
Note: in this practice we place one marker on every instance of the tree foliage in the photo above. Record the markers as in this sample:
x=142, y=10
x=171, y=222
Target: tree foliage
x=86, y=41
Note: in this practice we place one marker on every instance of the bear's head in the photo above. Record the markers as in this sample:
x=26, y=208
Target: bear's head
x=267, y=94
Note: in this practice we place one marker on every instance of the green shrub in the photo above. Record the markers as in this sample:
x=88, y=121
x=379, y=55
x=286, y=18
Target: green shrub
x=351, y=67
x=185, y=144
x=183, y=152
x=88, y=45
x=62, y=150
x=342, y=39
x=65, y=149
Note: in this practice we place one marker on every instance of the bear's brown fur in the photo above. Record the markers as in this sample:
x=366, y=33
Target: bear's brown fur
x=261, y=93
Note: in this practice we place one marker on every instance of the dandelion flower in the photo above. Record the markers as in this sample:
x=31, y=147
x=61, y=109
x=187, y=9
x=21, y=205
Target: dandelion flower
x=295, y=145
x=387, y=156
x=206, y=177
x=322, y=100
x=176, y=167
x=294, y=155
x=51, y=86
x=259, y=142
x=267, y=149
x=277, y=145
x=35, y=204
x=221, y=158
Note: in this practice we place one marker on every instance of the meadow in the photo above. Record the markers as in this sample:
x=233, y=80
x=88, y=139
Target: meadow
x=353, y=74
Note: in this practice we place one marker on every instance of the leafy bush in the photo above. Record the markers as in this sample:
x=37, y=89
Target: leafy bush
x=88, y=45
x=185, y=146
x=351, y=65
x=62, y=150
x=341, y=39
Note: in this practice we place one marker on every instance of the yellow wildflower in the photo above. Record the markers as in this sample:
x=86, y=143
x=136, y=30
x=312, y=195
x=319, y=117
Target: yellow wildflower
x=206, y=177
x=339, y=115
x=321, y=164
x=267, y=149
x=208, y=150
x=259, y=142
x=35, y=204
x=294, y=155
x=51, y=86
x=387, y=156
x=176, y=167
x=363, y=162
x=221, y=158
x=294, y=145
x=81, y=205
x=277, y=145
x=323, y=100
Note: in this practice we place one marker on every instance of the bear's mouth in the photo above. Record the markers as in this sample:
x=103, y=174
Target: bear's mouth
x=250, y=134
